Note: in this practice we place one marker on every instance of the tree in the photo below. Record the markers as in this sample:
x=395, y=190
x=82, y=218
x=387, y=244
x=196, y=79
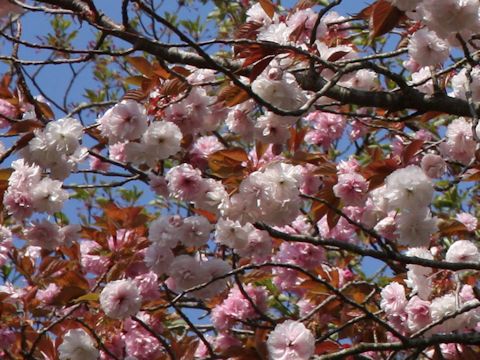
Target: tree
x=185, y=189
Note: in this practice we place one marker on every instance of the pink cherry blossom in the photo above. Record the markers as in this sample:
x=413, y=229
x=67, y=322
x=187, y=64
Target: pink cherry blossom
x=433, y=165
x=393, y=298
x=426, y=48
x=351, y=188
x=6, y=108
x=291, y=340
x=418, y=312
x=120, y=299
x=202, y=148
x=185, y=182
x=460, y=144
x=326, y=128
x=158, y=258
x=77, y=344
x=48, y=294
x=44, y=234
x=463, y=251
x=470, y=221
x=127, y=120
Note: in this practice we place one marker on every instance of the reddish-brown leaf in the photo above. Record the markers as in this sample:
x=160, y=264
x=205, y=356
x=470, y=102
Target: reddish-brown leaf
x=260, y=66
x=260, y=149
x=173, y=87
x=142, y=65
x=46, y=110
x=411, y=150
x=296, y=138
x=51, y=265
x=311, y=158
x=5, y=92
x=332, y=216
x=319, y=209
x=337, y=55
x=383, y=18
x=326, y=347
x=135, y=94
x=379, y=169
x=160, y=71
x=304, y=4
x=67, y=294
x=229, y=162
x=248, y=30
x=471, y=175
x=452, y=227
x=268, y=7
x=232, y=95
x=128, y=218
x=181, y=70
x=429, y=116
x=95, y=235
x=24, y=126
x=74, y=279
x=211, y=217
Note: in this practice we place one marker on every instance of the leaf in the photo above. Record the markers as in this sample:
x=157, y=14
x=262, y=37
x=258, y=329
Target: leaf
x=268, y=7
x=248, y=30
x=211, y=217
x=327, y=346
x=296, y=138
x=87, y=297
x=67, y=294
x=379, y=169
x=229, y=162
x=359, y=292
x=319, y=209
x=304, y=4
x=260, y=149
x=471, y=175
x=24, y=126
x=240, y=353
x=452, y=227
x=173, y=87
x=46, y=110
x=315, y=287
x=5, y=174
x=332, y=216
x=142, y=65
x=137, y=95
x=337, y=55
x=73, y=279
x=24, y=140
x=160, y=71
x=260, y=66
x=232, y=95
x=51, y=265
x=5, y=92
x=383, y=18
x=312, y=158
x=136, y=80
x=261, y=342
x=411, y=150
x=128, y=217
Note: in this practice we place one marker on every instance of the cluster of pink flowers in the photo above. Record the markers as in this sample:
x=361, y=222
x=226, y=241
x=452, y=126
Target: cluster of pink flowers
x=28, y=192
x=236, y=307
x=326, y=128
x=422, y=309
x=57, y=147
